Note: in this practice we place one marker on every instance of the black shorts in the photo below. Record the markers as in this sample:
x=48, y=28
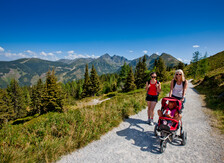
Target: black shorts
x=151, y=98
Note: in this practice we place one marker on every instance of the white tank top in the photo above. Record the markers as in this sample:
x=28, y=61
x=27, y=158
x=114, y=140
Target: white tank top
x=178, y=90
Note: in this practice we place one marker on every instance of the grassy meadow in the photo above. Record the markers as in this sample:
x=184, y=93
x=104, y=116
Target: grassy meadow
x=49, y=136
x=212, y=87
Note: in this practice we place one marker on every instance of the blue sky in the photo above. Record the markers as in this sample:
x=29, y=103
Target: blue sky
x=55, y=29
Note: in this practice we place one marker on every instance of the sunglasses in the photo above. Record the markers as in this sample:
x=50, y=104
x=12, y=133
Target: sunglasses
x=153, y=76
x=178, y=74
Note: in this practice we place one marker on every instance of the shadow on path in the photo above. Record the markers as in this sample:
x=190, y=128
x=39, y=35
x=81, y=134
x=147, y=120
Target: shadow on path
x=146, y=140
x=195, y=90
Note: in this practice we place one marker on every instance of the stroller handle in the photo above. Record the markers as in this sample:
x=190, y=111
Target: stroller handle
x=169, y=119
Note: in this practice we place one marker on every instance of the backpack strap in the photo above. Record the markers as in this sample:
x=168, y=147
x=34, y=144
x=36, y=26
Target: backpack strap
x=174, y=83
x=183, y=83
x=157, y=81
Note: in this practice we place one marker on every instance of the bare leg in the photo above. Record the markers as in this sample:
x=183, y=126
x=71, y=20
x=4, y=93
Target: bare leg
x=160, y=114
x=148, y=103
x=178, y=117
x=152, y=106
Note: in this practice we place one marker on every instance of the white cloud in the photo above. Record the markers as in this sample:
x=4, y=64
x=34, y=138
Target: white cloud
x=157, y=53
x=28, y=51
x=93, y=56
x=58, y=52
x=196, y=46
x=22, y=55
x=46, y=54
x=74, y=56
x=145, y=51
x=7, y=54
x=71, y=52
x=31, y=52
x=187, y=61
x=1, y=49
x=131, y=51
x=53, y=58
x=15, y=55
x=43, y=53
x=180, y=59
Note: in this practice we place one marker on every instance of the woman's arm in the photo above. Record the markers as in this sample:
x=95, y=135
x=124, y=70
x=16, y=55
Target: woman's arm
x=171, y=88
x=185, y=88
x=147, y=86
x=176, y=116
x=159, y=87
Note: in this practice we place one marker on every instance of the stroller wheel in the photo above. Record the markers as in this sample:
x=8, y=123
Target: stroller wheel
x=184, y=138
x=162, y=146
x=156, y=130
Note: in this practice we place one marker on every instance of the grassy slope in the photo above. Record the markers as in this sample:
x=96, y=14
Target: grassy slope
x=49, y=136
x=212, y=86
x=214, y=62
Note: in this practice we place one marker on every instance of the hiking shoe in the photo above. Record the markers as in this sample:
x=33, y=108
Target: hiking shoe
x=151, y=122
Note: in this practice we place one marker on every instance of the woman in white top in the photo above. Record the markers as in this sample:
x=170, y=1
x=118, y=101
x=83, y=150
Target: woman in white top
x=178, y=86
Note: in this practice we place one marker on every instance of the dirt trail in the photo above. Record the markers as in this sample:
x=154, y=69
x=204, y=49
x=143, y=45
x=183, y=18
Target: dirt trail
x=134, y=140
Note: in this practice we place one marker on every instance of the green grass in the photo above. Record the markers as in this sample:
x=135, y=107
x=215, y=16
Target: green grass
x=212, y=86
x=49, y=136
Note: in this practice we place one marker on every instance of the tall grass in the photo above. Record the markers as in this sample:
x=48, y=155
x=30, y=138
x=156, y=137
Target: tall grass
x=212, y=86
x=46, y=138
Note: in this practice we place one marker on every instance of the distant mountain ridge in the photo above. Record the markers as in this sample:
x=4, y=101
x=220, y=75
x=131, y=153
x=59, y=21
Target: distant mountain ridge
x=28, y=70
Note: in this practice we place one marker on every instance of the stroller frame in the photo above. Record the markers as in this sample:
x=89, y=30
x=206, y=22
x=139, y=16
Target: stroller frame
x=166, y=133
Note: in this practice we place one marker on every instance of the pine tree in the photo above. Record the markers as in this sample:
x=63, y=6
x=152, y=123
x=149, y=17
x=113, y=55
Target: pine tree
x=138, y=74
x=144, y=69
x=154, y=66
x=37, y=97
x=95, y=83
x=27, y=95
x=130, y=82
x=194, y=68
x=123, y=75
x=17, y=98
x=203, y=65
x=79, y=90
x=52, y=96
x=180, y=65
x=161, y=70
x=87, y=84
x=6, y=108
x=155, y=63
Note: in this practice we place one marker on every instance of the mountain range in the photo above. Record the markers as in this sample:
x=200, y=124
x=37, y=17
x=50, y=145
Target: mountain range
x=28, y=70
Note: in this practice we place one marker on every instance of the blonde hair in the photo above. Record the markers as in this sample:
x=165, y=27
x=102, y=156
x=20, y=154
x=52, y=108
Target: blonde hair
x=179, y=71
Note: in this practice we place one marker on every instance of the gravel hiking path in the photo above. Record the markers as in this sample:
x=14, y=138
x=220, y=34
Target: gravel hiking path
x=134, y=141
x=97, y=101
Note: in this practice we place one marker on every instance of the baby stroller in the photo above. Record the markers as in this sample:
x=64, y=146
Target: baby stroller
x=166, y=129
